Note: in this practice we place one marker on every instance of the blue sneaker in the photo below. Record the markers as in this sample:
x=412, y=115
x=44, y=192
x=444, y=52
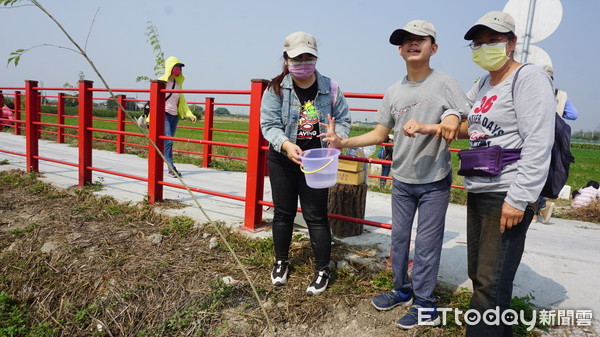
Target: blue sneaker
x=391, y=300
x=428, y=316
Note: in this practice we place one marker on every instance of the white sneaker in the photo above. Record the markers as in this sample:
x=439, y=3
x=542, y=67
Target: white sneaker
x=279, y=275
x=319, y=283
x=546, y=213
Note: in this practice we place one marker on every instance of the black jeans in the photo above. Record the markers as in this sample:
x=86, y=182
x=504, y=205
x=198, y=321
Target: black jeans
x=493, y=258
x=287, y=184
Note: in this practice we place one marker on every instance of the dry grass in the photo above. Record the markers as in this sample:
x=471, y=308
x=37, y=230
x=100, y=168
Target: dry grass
x=83, y=266
x=80, y=262
x=590, y=213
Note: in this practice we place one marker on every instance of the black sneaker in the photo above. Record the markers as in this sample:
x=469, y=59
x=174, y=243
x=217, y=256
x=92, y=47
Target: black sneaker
x=173, y=175
x=319, y=282
x=279, y=274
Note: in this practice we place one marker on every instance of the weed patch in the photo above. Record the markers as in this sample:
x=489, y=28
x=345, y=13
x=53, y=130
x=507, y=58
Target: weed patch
x=182, y=226
x=16, y=321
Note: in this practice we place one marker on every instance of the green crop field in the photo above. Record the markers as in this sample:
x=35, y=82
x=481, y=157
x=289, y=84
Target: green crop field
x=587, y=156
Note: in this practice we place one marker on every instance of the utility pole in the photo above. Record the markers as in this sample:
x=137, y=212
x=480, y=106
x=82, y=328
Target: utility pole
x=528, y=28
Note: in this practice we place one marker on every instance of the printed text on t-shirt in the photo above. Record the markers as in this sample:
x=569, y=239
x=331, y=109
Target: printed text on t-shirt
x=486, y=104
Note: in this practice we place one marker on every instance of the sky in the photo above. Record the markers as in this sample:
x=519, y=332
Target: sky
x=226, y=43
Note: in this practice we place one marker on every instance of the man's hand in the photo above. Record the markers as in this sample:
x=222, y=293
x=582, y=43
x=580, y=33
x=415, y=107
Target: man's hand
x=510, y=217
x=330, y=136
x=449, y=128
x=193, y=118
x=293, y=151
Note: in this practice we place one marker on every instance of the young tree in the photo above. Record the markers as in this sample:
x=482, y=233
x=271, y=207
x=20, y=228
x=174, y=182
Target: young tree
x=159, y=56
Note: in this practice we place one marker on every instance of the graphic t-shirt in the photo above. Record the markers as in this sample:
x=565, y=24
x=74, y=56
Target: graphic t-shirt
x=425, y=158
x=520, y=120
x=308, y=121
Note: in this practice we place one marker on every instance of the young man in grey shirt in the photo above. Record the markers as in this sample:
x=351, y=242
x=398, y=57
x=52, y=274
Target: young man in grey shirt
x=421, y=168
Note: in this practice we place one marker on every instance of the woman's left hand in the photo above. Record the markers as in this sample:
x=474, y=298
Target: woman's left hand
x=510, y=217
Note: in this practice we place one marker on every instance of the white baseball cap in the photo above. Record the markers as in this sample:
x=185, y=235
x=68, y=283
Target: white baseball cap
x=299, y=43
x=416, y=27
x=501, y=22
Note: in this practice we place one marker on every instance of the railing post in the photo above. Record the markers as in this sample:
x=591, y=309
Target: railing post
x=39, y=111
x=17, y=114
x=1, y=106
x=60, y=117
x=120, y=124
x=209, y=109
x=85, y=135
x=156, y=129
x=32, y=100
x=255, y=176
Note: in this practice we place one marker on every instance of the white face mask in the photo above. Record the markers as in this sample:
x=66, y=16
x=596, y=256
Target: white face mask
x=491, y=58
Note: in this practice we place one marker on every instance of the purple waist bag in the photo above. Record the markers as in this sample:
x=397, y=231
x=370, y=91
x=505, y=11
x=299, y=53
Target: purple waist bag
x=486, y=161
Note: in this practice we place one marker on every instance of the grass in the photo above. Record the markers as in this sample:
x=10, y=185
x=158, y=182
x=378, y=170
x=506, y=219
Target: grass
x=16, y=321
x=182, y=226
x=460, y=300
x=186, y=130
x=24, y=231
x=199, y=312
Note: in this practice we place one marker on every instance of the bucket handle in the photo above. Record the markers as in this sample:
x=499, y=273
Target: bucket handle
x=317, y=170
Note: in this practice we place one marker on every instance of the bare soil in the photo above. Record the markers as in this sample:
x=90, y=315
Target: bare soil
x=85, y=265
x=91, y=266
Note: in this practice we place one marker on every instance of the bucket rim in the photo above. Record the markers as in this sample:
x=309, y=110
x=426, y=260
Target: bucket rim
x=336, y=152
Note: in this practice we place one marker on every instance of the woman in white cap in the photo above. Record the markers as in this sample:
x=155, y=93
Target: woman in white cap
x=293, y=107
x=513, y=107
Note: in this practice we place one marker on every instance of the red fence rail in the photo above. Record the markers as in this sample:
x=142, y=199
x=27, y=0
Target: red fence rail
x=256, y=147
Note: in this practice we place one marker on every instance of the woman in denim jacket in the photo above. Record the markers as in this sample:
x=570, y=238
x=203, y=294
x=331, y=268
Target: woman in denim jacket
x=293, y=107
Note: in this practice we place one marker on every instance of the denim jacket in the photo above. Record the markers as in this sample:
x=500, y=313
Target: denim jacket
x=279, y=115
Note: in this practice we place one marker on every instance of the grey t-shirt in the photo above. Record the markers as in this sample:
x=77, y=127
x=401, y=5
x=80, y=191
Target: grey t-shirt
x=526, y=124
x=423, y=159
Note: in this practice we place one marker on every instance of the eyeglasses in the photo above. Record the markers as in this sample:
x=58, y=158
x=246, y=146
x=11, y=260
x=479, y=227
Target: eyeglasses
x=491, y=42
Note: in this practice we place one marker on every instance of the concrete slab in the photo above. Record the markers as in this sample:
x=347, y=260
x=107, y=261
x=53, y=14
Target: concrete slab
x=559, y=267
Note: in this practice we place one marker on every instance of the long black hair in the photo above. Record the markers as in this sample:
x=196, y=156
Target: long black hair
x=276, y=81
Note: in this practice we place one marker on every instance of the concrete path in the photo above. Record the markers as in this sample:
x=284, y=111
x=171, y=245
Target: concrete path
x=560, y=266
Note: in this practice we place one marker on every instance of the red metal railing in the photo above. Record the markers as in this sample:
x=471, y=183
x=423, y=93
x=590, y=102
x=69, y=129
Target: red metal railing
x=256, y=147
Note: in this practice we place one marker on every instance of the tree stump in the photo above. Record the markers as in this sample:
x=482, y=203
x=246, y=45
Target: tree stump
x=347, y=200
